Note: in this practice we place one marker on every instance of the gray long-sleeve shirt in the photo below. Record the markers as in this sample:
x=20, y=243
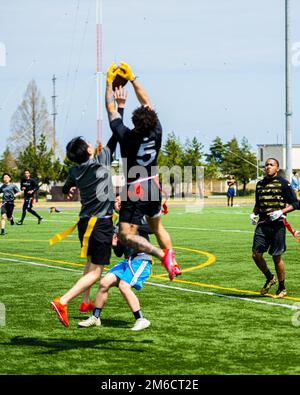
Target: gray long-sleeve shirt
x=9, y=191
x=93, y=179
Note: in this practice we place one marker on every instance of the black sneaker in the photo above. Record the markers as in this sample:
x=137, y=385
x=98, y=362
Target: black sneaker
x=19, y=223
x=40, y=220
x=268, y=285
x=2, y=233
x=280, y=293
x=12, y=222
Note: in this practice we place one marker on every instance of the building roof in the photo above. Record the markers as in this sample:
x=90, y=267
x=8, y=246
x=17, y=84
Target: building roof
x=277, y=145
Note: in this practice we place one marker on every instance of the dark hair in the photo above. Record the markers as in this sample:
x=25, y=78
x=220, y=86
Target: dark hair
x=6, y=174
x=26, y=170
x=275, y=160
x=295, y=172
x=77, y=150
x=145, y=120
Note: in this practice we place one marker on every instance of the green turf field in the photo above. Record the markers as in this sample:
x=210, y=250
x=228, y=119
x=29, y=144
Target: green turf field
x=209, y=321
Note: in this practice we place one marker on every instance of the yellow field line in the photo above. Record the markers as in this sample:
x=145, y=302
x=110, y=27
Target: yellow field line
x=42, y=259
x=211, y=259
x=34, y=241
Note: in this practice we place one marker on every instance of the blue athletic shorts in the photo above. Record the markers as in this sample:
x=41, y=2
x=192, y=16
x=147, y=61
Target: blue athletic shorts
x=230, y=192
x=133, y=272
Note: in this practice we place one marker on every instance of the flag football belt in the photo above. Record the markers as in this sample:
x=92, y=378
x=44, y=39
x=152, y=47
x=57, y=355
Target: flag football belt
x=294, y=232
x=85, y=241
x=138, y=190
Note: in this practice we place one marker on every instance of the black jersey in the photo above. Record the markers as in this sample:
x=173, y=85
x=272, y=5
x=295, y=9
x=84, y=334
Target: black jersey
x=93, y=179
x=273, y=193
x=29, y=185
x=8, y=191
x=139, y=153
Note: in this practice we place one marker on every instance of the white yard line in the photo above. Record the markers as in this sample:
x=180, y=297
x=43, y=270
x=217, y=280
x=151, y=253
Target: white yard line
x=40, y=264
x=210, y=229
x=288, y=306
x=170, y=227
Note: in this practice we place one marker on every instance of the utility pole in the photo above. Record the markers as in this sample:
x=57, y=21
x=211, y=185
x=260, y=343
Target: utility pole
x=54, y=113
x=288, y=97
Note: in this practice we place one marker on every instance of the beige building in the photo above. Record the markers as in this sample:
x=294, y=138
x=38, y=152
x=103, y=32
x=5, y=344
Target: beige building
x=278, y=152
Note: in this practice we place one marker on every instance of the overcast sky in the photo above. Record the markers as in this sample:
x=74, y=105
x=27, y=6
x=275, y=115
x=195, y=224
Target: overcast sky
x=211, y=67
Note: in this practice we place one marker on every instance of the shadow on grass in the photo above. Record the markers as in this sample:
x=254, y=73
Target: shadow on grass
x=107, y=322
x=57, y=345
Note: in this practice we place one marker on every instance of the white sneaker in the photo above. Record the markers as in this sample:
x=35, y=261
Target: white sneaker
x=92, y=321
x=140, y=324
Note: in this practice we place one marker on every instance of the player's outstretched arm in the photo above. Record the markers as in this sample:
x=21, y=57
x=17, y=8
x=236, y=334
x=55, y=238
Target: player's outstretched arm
x=141, y=94
x=109, y=94
x=126, y=72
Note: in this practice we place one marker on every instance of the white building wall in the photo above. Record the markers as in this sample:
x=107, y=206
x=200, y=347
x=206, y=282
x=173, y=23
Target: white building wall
x=277, y=151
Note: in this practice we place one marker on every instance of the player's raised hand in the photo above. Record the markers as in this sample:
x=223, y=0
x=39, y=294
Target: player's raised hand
x=71, y=193
x=126, y=72
x=120, y=96
x=111, y=73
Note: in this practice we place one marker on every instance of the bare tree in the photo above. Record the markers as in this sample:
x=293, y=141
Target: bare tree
x=30, y=121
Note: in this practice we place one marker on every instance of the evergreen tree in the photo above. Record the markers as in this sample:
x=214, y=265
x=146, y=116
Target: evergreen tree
x=216, y=152
x=239, y=161
x=171, y=156
x=8, y=164
x=192, y=154
x=40, y=161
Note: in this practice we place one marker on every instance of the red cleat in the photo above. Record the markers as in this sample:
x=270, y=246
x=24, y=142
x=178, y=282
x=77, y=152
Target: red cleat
x=86, y=307
x=61, y=310
x=167, y=262
x=177, y=270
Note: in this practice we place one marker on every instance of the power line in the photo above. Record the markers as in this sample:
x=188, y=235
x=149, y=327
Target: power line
x=70, y=59
x=78, y=65
x=14, y=90
x=54, y=113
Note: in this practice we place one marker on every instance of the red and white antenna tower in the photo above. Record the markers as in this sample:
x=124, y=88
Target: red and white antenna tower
x=99, y=71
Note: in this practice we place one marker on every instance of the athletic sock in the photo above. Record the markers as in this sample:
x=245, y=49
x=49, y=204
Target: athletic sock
x=268, y=275
x=281, y=285
x=138, y=314
x=97, y=312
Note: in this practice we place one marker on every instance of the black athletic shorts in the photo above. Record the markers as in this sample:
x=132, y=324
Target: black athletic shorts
x=269, y=237
x=99, y=248
x=141, y=199
x=8, y=209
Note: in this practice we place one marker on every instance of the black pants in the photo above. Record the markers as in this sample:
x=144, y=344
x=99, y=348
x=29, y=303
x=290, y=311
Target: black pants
x=27, y=206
